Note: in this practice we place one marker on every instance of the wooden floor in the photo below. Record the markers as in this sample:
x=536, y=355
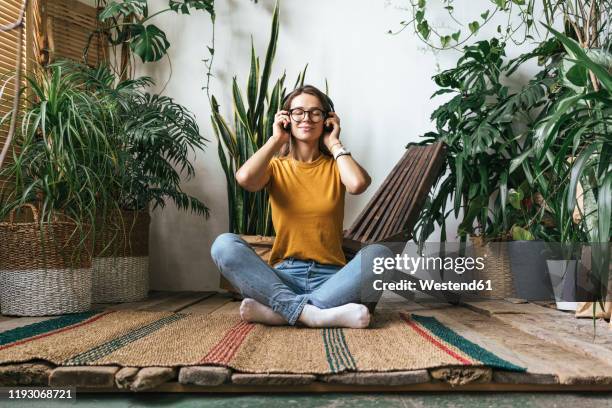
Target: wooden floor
x=560, y=352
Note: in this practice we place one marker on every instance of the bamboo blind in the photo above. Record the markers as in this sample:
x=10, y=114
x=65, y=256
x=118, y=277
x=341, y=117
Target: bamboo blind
x=69, y=24
x=10, y=12
x=53, y=29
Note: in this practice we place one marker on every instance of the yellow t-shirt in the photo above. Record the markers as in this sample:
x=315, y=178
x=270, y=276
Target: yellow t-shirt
x=307, y=201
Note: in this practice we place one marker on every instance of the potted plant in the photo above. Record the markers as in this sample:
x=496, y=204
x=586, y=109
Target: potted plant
x=155, y=136
x=564, y=111
x=64, y=166
x=476, y=125
x=572, y=139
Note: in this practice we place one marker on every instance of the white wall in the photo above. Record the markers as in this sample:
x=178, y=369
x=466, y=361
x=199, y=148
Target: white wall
x=380, y=84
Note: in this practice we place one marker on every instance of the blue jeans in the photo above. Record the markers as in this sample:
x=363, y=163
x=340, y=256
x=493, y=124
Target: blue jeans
x=293, y=283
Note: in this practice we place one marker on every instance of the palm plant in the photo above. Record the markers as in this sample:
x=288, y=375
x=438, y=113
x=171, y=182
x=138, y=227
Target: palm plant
x=249, y=213
x=155, y=135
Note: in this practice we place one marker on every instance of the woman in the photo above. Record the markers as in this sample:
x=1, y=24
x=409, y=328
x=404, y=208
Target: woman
x=310, y=281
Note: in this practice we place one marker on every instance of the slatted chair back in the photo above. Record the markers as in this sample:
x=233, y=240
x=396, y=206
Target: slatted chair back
x=394, y=209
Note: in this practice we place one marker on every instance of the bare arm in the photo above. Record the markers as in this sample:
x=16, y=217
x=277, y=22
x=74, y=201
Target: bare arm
x=253, y=175
x=353, y=176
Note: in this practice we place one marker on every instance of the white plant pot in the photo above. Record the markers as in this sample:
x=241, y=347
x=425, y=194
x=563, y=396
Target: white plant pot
x=563, y=274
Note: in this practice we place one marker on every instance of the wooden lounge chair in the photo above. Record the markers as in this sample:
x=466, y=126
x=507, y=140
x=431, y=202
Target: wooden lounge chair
x=393, y=210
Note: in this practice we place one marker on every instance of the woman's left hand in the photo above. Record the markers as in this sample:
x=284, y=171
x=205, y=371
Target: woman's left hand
x=333, y=136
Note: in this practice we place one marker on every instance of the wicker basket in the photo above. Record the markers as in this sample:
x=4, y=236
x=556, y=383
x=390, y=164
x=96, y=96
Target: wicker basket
x=44, y=272
x=121, y=258
x=497, y=268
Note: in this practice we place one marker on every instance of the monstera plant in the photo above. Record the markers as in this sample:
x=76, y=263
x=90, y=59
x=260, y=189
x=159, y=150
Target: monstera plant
x=127, y=23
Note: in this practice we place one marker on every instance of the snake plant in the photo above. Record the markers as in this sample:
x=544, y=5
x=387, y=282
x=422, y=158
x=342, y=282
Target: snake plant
x=249, y=213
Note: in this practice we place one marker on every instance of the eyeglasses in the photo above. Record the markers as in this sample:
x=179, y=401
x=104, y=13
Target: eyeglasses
x=316, y=115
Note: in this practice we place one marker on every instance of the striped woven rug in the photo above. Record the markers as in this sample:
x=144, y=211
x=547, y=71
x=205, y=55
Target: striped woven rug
x=395, y=341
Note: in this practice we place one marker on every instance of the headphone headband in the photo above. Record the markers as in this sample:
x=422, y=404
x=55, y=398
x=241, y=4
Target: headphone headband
x=327, y=100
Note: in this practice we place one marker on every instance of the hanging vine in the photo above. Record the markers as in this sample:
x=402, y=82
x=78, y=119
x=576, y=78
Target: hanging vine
x=587, y=21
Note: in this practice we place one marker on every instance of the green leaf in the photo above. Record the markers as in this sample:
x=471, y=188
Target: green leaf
x=577, y=52
x=576, y=175
x=445, y=40
x=485, y=15
x=521, y=234
x=184, y=6
x=459, y=182
x=421, y=3
x=546, y=130
x=239, y=106
x=604, y=208
x=474, y=26
x=577, y=75
x=123, y=8
x=517, y=161
x=503, y=194
x=227, y=137
x=275, y=101
x=423, y=29
x=456, y=35
x=270, y=53
x=519, y=2
x=419, y=15
x=299, y=82
x=515, y=197
x=148, y=42
x=475, y=207
x=252, y=87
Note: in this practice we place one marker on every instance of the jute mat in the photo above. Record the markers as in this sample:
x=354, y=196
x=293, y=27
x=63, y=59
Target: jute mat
x=394, y=341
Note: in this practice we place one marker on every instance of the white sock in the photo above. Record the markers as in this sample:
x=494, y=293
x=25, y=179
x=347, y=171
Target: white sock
x=351, y=315
x=254, y=312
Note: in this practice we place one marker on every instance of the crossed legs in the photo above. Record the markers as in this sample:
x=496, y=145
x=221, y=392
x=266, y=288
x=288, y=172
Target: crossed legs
x=270, y=300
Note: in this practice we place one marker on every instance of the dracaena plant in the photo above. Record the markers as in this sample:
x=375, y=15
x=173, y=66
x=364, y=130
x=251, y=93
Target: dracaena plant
x=573, y=141
x=249, y=213
x=65, y=159
x=575, y=135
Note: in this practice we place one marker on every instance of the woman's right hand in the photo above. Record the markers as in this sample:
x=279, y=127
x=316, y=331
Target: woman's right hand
x=281, y=125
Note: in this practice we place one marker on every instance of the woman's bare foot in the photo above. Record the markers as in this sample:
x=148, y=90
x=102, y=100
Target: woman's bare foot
x=351, y=315
x=254, y=312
